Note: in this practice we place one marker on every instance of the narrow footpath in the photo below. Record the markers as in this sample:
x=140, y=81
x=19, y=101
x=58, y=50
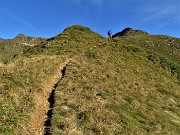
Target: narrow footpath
x=40, y=120
x=51, y=100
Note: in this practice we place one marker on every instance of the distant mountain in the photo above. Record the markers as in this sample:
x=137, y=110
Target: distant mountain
x=10, y=47
x=21, y=38
x=1, y=40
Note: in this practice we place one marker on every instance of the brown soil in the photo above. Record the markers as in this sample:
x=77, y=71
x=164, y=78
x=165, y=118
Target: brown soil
x=39, y=116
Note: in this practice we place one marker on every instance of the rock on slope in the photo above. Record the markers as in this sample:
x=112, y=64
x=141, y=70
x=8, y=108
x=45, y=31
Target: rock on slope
x=129, y=32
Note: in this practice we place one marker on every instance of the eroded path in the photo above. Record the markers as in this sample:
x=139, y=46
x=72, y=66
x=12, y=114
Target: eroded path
x=40, y=120
x=51, y=100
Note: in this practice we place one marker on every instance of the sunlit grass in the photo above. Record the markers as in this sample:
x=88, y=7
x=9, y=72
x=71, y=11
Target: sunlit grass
x=116, y=86
x=20, y=81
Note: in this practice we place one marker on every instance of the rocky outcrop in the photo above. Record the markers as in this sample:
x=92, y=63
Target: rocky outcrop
x=129, y=32
x=28, y=39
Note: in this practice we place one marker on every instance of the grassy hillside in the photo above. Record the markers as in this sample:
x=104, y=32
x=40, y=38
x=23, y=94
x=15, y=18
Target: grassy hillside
x=159, y=44
x=111, y=95
x=99, y=86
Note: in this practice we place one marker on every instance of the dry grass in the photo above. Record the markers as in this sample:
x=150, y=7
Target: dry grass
x=110, y=86
x=21, y=82
x=39, y=116
x=116, y=95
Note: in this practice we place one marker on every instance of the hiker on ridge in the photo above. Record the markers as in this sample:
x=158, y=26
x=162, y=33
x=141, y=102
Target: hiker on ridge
x=109, y=34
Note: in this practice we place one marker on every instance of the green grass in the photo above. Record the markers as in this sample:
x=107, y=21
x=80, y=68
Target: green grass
x=116, y=86
x=164, y=45
x=115, y=95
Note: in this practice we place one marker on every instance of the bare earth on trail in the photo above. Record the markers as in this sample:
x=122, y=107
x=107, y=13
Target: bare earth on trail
x=38, y=118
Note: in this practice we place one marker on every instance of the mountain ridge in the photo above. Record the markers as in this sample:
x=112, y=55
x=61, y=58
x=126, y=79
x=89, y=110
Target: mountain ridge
x=18, y=44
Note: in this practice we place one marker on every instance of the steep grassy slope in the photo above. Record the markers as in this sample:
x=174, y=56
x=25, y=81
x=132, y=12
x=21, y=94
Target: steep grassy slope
x=108, y=87
x=121, y=93
x=159, y=44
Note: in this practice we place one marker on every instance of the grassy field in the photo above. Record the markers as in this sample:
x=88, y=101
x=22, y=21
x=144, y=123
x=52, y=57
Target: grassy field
x=107, y=87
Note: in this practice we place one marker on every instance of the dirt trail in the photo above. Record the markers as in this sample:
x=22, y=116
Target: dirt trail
x=40, y=121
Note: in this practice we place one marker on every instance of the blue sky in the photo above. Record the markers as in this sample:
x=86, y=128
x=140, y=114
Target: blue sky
x=48, y=18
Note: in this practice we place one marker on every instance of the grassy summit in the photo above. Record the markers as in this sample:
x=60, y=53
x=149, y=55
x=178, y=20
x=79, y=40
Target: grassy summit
x=117, y=86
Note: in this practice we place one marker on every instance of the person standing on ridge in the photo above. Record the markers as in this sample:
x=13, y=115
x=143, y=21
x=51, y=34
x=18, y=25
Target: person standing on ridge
x=109, y=34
